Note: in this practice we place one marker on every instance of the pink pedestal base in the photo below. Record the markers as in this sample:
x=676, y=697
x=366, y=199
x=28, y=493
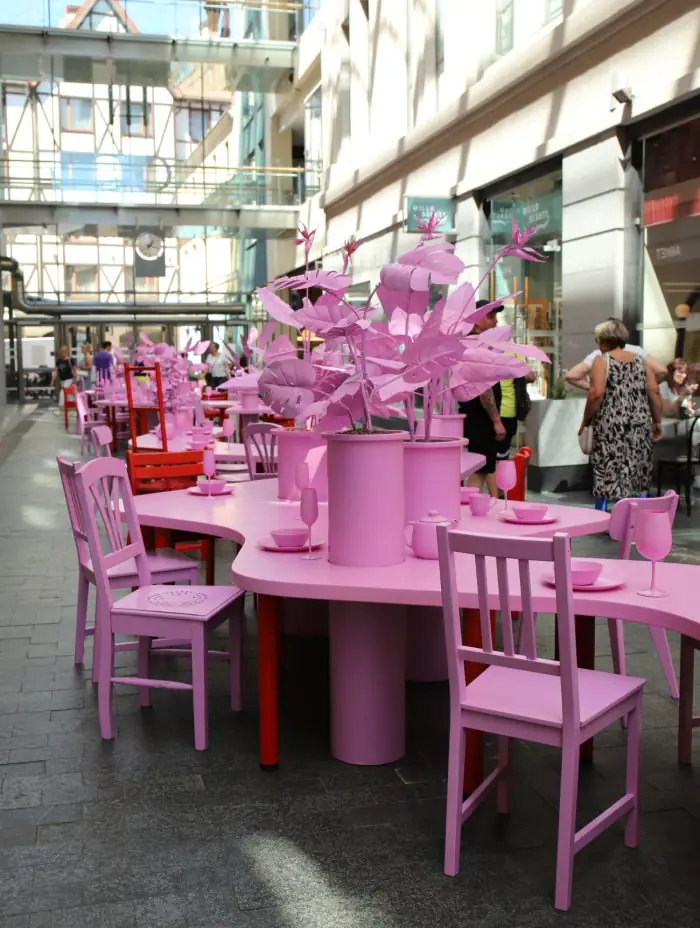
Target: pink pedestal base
x=368, y=682
x=426, y=658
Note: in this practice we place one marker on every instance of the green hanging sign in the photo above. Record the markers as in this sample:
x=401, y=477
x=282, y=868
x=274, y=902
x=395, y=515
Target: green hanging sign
x=420, y=209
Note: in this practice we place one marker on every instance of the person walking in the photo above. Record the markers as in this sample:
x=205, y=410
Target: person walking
x=624, y=408
x=219, y=368
x=64, y=375
x=85, y=367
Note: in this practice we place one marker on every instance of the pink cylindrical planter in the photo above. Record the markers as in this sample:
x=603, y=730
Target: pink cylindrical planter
x=249, y=399
x=292, y=447
x=366, y=498
x=447, y=426
x=432, y=477
x=368, y=688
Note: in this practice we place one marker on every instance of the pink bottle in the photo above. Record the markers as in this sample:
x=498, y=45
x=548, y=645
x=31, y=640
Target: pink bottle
x=366, y=521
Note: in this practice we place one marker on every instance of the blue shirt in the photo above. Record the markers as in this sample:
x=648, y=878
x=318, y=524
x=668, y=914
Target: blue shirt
x=102, y=362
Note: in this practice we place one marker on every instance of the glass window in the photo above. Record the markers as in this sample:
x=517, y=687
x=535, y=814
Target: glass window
x=76, y=114
x=504, y=26
x=137, y=119
x=535, y=312
x=81, y=283
x=553, y=8
x=201, y=120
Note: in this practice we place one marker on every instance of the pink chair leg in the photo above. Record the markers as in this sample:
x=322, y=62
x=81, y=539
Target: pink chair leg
x=235, y=624
x=660, y=639
x=199, y=689
x=634, y=726
x=685, y=706
x=81, y=618
x=503, y=785
x=568, y=796
x=143, y=664
x=105, y=672
x=455, y=790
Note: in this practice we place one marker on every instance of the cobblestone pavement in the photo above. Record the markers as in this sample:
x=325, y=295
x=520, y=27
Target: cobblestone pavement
x=145, y=832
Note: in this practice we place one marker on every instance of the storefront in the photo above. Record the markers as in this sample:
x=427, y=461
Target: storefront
x=535, y=312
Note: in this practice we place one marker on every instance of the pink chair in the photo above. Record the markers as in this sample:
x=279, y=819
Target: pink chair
x=101, y=441
x=622, y=528
x=522, y=696
x=86, y=419
x=260, y=443
x=166, y=567
x=112, y=534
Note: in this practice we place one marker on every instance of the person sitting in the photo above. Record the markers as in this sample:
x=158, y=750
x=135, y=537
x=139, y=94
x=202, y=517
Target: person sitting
x=677, y=392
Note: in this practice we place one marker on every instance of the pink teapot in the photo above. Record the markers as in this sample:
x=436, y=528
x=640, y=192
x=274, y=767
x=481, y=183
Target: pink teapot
x=424, y=535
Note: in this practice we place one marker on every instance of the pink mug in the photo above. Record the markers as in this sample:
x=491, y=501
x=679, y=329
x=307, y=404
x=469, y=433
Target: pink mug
x=480, y=504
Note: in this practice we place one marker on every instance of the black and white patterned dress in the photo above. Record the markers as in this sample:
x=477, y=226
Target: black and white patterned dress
x=622, y=433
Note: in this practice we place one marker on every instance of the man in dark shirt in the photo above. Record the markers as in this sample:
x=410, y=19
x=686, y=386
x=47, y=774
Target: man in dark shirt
x=64, y=373
x=103, y=362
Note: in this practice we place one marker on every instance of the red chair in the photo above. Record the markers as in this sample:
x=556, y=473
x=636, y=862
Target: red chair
x=159, y=471
x=522, y=459
x=68, y=403
x=140, y=411
x=217, y=414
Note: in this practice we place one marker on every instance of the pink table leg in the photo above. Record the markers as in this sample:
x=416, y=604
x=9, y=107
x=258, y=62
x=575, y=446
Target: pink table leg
x=368, y=682
x=426, y=659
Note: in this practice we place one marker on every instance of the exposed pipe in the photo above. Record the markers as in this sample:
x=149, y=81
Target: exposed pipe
x=122, y=312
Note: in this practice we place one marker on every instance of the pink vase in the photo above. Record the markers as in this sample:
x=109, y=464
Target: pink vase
x=448, y=426
x=366, y=498
x=432, y=477
x=292, y=448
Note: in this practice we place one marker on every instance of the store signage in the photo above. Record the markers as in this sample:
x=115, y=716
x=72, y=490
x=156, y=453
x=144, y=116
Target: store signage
x=542, y=213
x=670, y=207
x=420, y=209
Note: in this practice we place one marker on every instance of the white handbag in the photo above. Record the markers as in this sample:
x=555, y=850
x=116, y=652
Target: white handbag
x=585, y=438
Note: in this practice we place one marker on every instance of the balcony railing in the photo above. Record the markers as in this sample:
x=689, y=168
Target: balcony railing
x=224, y=20
x=129, y=180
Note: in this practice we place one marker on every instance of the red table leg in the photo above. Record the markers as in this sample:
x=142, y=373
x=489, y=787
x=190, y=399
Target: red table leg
x=474, y=759
x=268, y=637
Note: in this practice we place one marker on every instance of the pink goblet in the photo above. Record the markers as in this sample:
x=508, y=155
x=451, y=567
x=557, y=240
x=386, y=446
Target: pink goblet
x=654, y=540
x=227, y=429
x=209, y=467
x=309, y=514
x=506, y=478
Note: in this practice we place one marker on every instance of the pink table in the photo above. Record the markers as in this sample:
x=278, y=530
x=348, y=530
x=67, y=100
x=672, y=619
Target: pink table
x=367, y=628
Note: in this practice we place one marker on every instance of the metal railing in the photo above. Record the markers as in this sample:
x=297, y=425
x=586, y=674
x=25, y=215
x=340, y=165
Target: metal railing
x=221, y=20
x=72, y=177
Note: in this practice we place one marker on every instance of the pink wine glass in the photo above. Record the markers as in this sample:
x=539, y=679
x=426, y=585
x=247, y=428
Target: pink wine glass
x=302, y=477
x=506, y=478
x=309, y=514
x=227, y=429
x=654, y=540
x=209, y=467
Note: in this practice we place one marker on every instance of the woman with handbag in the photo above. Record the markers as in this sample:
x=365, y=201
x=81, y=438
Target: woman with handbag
x=622, y=418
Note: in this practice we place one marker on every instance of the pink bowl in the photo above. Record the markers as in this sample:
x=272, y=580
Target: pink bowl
x=530, y=512
x=290, y=537
x=212, y=486
x=584, y=572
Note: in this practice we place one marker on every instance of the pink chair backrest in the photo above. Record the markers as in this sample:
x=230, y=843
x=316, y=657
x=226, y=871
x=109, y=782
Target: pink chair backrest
x=110, y=527
x=502, y=550
x=68, y=470
x=623, y=519
x=81, y=409
x=101, y=439
x=260, y=443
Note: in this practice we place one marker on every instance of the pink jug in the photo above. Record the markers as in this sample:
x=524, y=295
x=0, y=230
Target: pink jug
x=424, y=535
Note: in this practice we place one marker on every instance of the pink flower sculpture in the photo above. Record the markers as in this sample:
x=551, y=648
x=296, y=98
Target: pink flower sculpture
x=347, y=251
x=428, y=227
x=306, y=238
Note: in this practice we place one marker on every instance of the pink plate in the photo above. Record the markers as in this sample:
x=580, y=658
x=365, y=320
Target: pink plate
x=600, y=586
x=269, y=545
x=512, y=519
x=198, y=491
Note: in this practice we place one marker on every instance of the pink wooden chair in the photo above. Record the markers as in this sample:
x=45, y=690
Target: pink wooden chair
x=112, y=534
x=101, y=441
x=86, y=419
x=260, y=443
x=622, y=528
x=522, y=696
x=166, y=567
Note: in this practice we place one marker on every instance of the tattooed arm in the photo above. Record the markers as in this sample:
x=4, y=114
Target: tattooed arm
x=488, y=401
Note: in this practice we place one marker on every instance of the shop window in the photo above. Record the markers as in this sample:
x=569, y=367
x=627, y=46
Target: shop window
x=137, y=120
x=81, y=282
x=77, y=114
x=504, y=26
x=200, y=120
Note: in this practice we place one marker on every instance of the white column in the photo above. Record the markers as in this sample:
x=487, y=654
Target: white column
x=600, y=244
x=472, y=231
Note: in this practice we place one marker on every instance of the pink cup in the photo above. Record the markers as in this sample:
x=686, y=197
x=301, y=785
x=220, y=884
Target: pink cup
x=466, y=494
x=480, y=504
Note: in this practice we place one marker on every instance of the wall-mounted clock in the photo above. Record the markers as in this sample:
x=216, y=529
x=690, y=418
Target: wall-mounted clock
x=149, y=246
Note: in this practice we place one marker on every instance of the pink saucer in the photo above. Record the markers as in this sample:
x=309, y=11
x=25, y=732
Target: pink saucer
x=600, y=586
x=269, y=545
x=512, y=519
x=199, y=491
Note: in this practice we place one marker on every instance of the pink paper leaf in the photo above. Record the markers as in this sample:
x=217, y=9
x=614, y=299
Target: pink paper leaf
x=324, y=280
x=405, y=277
x=412, y=301
x=277, y=308
x=403, y=323
x=328, y=316
x=286, y=386
x=280, y=349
